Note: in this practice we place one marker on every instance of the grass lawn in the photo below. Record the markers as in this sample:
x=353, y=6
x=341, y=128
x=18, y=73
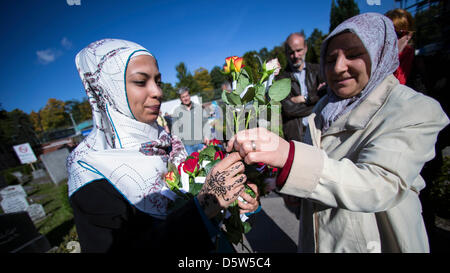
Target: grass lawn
x=58, y=226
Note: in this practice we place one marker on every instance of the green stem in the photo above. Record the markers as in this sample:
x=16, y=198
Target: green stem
x=235, y=123
x=248, y=119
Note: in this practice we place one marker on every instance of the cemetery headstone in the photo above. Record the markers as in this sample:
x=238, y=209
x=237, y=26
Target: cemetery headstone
x=55, y=163
x=12, y=191
x=40, y=173
x=36, y=212
x=15, y=203
x=19, y=235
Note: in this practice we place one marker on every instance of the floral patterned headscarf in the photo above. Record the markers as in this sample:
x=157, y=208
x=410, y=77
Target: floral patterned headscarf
x=129, y=154
x=377, y=34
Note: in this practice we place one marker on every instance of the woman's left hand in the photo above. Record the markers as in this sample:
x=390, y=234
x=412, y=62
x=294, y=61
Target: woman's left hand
x=252, y=202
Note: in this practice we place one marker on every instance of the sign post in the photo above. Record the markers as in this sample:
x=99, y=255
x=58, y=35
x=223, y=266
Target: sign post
x=25, y=154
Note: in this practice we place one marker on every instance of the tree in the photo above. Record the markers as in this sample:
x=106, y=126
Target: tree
x=15, y=128
x=429, y=25
x=345, y=9
x=169, y=92
x=53, y=115
x=279, y=52
x=264, y=54
x=35, y=118
x=85, y=110
x=314, y=43
x=217, y=77
x=203, y=79
x=253, y=63
x=185, y=79
x=81, y=111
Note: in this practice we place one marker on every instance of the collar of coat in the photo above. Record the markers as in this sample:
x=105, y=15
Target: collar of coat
x=359, y=117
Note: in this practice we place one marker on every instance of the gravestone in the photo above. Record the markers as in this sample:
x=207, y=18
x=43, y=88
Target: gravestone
x=15, y=203
x=22, y=178
x=12, y=191
x=37, y=174
x=55, y=163
x=36, y=212
x=19, y=235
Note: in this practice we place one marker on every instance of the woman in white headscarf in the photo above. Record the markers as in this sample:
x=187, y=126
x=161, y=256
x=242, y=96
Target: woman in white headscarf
x=357, y=175
x=116, y=175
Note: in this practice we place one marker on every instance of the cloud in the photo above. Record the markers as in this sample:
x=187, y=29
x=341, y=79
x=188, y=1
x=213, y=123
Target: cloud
x=47, y=56
x=66, y=43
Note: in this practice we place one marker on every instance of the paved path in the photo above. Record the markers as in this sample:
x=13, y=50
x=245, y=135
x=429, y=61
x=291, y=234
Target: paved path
x=275, y=228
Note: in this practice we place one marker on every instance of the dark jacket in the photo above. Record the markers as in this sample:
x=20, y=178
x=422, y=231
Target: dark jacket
x=292, y=113
x=106, y=222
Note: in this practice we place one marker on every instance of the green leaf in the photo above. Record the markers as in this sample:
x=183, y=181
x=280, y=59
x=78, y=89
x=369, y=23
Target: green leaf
x=249, y=96
x=235, y=99
x=207, y=153
x=242, y=82
x=249, y=72
x=249, y=191
x=225, y=97
x=231, y=98
x=210, y=165
x=260, y=93
x=280, y=89
x=247, y=227
x=194, y=188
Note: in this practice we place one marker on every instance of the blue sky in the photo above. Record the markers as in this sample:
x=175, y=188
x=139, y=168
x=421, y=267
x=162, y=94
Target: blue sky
x=40, y=38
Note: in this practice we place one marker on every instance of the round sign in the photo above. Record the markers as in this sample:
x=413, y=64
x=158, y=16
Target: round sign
x=23, y=149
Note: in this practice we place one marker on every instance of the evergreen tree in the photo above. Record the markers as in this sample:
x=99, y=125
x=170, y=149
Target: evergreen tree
x=185, y=79
x=217, y=77
x=314, y=43
x=169, y=92
x=342, y=11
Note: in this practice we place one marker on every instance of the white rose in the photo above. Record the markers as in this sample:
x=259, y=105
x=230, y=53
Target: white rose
x=274, y=64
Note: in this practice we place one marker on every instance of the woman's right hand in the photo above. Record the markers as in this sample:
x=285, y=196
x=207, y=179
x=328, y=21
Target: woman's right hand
x=259, y=145
x=223, y=185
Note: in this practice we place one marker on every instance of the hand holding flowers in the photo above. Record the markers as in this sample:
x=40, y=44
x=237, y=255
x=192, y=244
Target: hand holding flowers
x=223, y=185
x=218, y=182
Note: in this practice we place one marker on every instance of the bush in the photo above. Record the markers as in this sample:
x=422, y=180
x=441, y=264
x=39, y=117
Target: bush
x=10, y=178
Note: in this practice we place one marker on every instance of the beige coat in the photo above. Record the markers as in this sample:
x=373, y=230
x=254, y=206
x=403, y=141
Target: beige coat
x=360, y=181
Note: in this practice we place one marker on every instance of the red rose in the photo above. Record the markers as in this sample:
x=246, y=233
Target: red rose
x=214, y=142
x=195, y=155
x=219, y=154
x=191, y=165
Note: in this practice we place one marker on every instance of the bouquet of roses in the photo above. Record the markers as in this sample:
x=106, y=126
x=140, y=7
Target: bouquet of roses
x=186, y=181
x=254, y=100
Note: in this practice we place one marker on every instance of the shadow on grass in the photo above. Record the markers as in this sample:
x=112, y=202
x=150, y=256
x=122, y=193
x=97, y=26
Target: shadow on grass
x=53, y=210
x=56, y=235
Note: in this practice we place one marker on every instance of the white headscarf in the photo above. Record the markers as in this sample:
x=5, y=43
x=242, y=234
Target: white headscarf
x=377, y=34
x=131, y=155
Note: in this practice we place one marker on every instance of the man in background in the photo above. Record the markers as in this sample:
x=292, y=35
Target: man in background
x=188, y=123
x=307, y=87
